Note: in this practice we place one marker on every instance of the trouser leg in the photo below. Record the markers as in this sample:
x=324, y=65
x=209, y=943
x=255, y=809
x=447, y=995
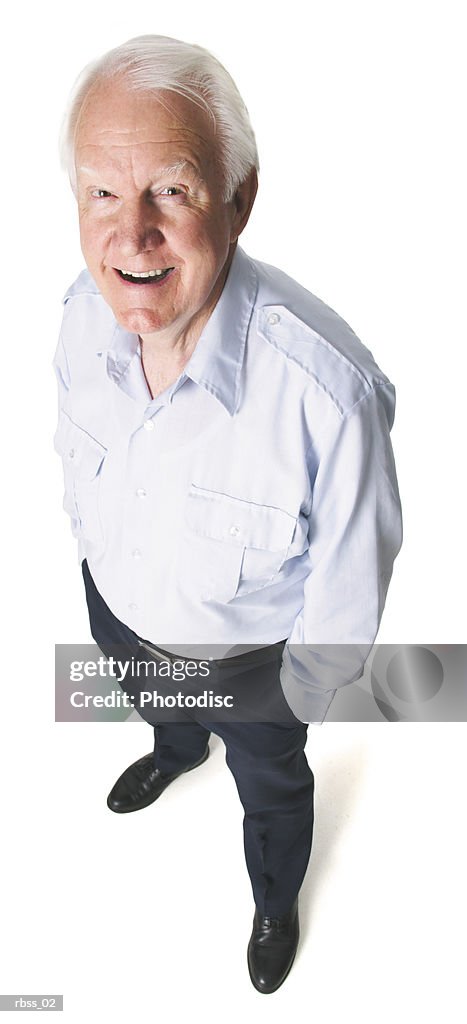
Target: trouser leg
x=178, y=744
x=276, y=786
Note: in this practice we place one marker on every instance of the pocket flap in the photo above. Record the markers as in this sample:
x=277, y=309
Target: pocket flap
x=244, y=523
x=79, y=450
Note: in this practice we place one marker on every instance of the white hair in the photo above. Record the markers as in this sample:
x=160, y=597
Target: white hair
x=159, y=63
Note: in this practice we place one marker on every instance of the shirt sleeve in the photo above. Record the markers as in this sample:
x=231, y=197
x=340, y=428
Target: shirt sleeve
x=355, y=532
x=62, y=374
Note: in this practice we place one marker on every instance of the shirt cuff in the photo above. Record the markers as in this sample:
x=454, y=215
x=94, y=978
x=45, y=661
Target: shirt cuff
x=308, y=671
x=308, y=704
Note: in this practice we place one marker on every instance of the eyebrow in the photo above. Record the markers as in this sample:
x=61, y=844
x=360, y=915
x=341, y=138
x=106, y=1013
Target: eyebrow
x=172, y=171
x=177, y=168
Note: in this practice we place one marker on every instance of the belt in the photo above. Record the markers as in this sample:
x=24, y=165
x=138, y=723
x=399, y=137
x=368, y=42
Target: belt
x=258, y=656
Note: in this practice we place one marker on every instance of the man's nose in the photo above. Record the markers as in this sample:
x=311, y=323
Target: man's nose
x=138, y=229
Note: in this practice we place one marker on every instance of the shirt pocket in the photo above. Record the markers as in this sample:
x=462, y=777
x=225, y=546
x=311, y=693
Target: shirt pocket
x=236, y=546
x=83, y=457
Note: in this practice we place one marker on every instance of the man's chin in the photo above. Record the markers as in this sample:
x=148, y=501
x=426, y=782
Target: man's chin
x=139, y=321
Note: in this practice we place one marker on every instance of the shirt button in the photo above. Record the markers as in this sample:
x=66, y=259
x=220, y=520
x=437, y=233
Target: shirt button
x=273, y=319
x=133, y=607
x=71, y=453
x=148, y=425
x=141, y=493
x=234, y=531
x=136, y=553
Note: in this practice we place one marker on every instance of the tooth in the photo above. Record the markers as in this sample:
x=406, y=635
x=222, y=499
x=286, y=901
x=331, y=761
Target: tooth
x=144, y=273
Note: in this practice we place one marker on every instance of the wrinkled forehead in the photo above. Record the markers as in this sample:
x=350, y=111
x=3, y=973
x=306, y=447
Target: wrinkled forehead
x=114, y=116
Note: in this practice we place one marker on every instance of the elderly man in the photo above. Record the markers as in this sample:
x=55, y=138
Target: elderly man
x=225, y=439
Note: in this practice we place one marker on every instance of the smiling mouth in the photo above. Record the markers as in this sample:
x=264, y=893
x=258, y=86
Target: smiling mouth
x=145, y=276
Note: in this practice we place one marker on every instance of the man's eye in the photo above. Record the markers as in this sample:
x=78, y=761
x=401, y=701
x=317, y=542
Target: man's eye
x=171, y=190
x=100, y=193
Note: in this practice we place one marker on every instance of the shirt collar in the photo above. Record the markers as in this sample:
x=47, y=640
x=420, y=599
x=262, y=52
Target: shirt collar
x=122, y=350
x=216, y=363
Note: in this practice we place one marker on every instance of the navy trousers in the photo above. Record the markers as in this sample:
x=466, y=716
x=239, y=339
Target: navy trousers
x=274, y=781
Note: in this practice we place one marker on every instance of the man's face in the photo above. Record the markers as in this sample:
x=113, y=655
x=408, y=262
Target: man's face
x=150, y=201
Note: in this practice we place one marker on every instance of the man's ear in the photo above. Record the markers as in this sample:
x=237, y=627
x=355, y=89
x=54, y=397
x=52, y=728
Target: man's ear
x=242, y=203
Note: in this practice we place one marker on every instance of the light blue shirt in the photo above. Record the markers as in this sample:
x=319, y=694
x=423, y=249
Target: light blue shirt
x=255, y=499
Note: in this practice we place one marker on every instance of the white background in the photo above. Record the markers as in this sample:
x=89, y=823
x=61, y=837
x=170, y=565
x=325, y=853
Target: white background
x=359, y=111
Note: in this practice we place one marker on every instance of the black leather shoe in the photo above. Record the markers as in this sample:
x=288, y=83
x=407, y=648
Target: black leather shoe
x=141, y=784
x=272, y=948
